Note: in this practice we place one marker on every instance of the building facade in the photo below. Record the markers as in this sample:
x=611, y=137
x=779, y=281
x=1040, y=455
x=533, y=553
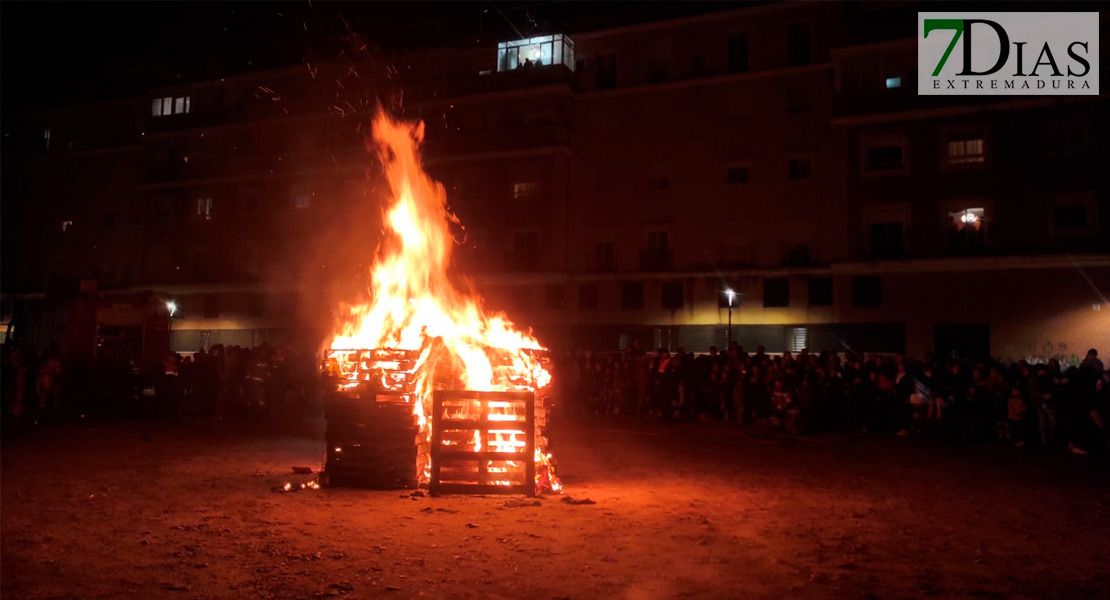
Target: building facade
x=613, y=184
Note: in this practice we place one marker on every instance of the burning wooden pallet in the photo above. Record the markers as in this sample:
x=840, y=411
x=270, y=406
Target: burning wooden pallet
x=483, y=443
x=370, y=443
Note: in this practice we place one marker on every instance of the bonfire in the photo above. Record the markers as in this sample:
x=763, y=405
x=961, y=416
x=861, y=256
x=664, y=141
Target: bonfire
x=418, y=333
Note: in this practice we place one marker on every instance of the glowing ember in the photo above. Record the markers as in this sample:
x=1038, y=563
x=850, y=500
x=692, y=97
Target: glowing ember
x=425, y=333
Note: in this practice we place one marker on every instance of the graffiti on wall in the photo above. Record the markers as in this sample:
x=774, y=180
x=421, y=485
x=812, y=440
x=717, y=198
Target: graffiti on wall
x=1047, y=350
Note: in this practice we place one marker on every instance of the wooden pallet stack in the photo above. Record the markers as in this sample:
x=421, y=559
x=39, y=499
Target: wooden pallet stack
x=371, y=430
x=483, y=442
x=370, y=443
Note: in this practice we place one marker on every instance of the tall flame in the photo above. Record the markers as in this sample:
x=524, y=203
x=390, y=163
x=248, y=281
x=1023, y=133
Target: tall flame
x=414, y=305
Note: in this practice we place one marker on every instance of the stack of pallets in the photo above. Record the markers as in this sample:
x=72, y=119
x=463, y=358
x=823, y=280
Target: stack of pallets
x=371, y=430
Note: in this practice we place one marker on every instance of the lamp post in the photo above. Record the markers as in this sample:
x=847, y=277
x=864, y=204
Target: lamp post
x=731, y=296
x=171, y=309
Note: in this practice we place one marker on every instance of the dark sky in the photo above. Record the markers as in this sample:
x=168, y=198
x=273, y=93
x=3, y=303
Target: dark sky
x=65, y=52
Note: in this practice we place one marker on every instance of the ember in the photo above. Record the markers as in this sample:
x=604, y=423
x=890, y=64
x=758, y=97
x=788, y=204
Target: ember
x=419, y=333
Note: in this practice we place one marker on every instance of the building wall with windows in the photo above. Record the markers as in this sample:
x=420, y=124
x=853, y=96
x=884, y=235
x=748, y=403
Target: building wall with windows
x=773, y=150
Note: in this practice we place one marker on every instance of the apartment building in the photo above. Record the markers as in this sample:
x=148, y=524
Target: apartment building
x=614, y=183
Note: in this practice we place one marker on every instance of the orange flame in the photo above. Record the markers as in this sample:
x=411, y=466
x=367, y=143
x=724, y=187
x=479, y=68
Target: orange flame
x=414, y=305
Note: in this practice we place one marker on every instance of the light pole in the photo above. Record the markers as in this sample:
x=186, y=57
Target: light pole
x=731, y=296
x=171, y=309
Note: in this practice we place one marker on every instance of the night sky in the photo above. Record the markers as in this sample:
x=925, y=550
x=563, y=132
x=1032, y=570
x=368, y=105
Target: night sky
x=60, y=53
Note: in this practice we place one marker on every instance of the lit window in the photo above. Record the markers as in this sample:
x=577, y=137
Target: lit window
x=538, y=51
x=164, y=107
x=968, y=217
x=66, y=225
x=204, y=208
x=523, y=190
x=968, y=231
x=965, y=147
x=798, y=336
x=893, y=82
x=302, y=201
x=46, y=136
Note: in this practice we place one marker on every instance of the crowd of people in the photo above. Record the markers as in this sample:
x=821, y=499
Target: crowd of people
x=1023, y=404
x=209, y=383
x=1020, y=403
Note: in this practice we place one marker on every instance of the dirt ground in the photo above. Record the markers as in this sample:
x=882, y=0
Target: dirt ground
x=144, y=510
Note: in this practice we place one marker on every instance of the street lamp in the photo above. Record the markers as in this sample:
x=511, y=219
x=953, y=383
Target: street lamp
x=172, y=307
x=731, y=295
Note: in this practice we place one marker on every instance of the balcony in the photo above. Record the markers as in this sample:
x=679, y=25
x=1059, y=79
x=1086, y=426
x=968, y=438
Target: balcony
x=656, y=260
x=522, y=262
x=200, y=118
x=505, y=140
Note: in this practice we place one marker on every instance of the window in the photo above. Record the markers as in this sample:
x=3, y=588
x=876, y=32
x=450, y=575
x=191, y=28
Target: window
x=604, y=259
x=66, y=225
x=164, y=107
x=256, y=305
x=884, y=158
x=797, y=341
x=204, y=209
x=672, y=296
x=660, y=178
x=588, y=294
x=522, y=298
x=553, y=296
x=738, y=53
x=606, y=71
x=820, y=291
x=162, y=209
x=525, y=190
x=211, y=306
x=301, y=201
x=1073, y=214
x=887, y=239
x=776, y=292
x=202, y=266
x=657, y=257
x=735, y=175
x=893, y=82
x=525, y=253
x=658, y=240
x=965, y=147
x=867, y=292
x=46, y=138
x=797, y=44
x=540, y=51
x=1069, y=216
x=632, y=294
x=799, y=168
x=967, y=230
x=1070, y=134
x=797, y=255
x=658, y=72
x=797, y=100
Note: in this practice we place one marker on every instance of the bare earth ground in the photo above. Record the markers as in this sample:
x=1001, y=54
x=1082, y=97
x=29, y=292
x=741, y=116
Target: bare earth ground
x=145, y=510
